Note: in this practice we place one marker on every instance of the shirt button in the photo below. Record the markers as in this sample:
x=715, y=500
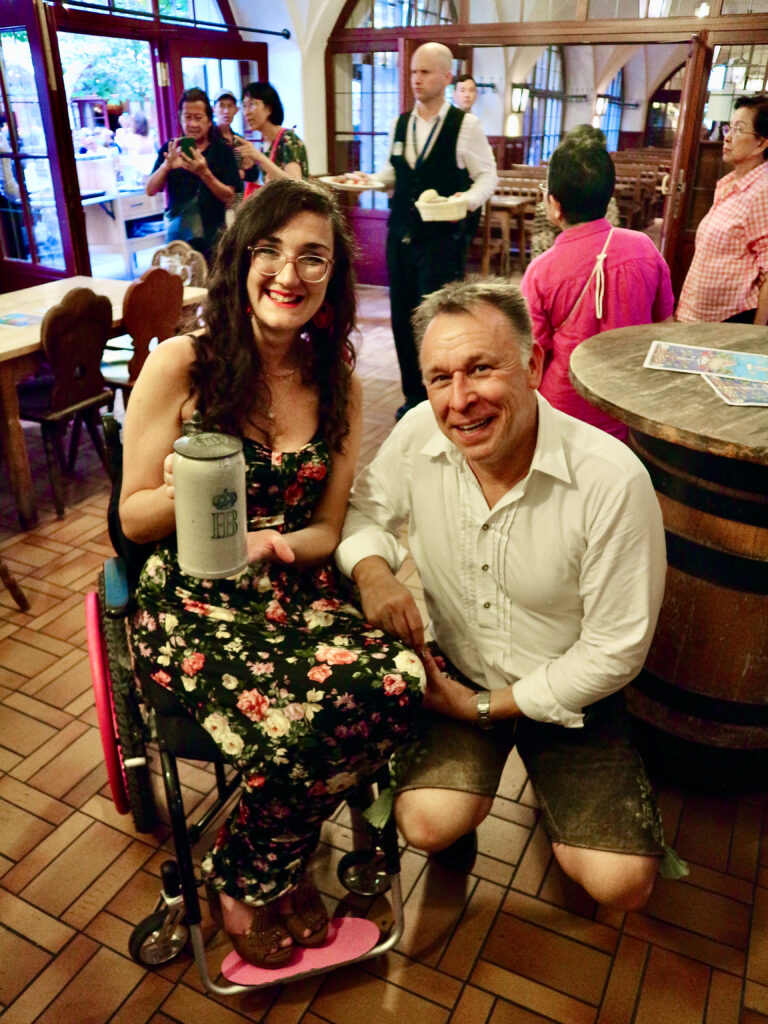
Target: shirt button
x=487, y=604
x=485, y=526
x=485, y=567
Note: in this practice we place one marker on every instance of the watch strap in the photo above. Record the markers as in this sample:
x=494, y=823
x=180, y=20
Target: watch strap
x=483, y=704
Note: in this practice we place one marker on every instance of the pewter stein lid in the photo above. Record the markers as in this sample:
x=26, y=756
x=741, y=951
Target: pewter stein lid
x=207, y=445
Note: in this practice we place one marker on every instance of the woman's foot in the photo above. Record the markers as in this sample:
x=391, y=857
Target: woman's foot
x=304, y=915
x=256, y=933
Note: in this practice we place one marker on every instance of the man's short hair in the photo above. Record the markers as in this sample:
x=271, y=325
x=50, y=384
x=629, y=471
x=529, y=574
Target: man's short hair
x=581, y=178
x=464, y=78
x=465, y=296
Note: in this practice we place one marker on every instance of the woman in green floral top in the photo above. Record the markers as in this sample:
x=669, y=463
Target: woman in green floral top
x=283, y=154
x=276, y=663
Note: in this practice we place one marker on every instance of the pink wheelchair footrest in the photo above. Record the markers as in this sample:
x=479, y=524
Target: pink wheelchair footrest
x=348, y=939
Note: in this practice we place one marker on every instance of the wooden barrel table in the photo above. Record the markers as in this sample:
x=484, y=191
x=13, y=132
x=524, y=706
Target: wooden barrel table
x=701, y=701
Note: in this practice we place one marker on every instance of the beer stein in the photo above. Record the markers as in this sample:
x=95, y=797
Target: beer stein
x=209, y=498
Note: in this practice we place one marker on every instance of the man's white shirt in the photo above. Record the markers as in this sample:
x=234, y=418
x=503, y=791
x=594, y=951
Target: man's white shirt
x=555, y=590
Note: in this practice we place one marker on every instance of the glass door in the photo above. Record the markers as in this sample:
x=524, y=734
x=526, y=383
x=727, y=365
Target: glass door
x=35, y=237
x=212, y=66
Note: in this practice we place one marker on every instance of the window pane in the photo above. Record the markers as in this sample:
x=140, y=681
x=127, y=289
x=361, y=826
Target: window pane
x=366, y=99
x=482, y=12
x=37, y=174
x=550, y=10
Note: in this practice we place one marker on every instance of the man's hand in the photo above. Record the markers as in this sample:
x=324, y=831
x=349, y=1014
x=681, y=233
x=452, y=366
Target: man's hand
x=387, y=603
x=446, y=695
x=195, y=162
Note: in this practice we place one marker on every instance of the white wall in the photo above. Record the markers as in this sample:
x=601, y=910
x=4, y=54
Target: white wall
x=297, y=65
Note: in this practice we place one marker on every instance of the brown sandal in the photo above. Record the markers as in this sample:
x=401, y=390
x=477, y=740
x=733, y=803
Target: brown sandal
x=262, y=945
x=308, y=914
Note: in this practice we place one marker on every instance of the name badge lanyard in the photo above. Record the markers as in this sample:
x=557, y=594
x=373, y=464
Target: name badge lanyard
x=421, y=156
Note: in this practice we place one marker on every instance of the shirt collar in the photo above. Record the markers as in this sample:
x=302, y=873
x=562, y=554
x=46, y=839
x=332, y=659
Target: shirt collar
x=548, y=456
x=747, y=181
x=580, y=231
x=440, y=114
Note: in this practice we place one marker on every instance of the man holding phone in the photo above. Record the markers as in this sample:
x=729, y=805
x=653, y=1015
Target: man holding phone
x=199, y=175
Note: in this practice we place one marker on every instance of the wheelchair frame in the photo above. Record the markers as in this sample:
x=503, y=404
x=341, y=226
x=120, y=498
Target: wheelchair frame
x=127, y=721
x=129, y=717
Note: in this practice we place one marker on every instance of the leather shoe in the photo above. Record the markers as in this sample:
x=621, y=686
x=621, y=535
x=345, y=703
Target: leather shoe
x=461, y=854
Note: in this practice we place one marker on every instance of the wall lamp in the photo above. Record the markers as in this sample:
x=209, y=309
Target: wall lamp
x=601, y=103
x=578, y=97
x=520, y=94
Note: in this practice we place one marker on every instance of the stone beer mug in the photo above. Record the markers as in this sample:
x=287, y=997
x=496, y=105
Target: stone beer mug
x=209, y=498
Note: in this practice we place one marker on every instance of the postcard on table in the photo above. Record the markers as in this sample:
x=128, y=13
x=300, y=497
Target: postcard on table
x=738, y=392
x=664, y=355
x=19, y=319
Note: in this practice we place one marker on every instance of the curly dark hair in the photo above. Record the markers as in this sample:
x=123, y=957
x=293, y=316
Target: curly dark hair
x=228, y=363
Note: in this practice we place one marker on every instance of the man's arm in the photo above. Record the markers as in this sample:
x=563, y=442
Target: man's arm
x=388, y=603
x=475, y=153
x=369, y=551
x=621, y=584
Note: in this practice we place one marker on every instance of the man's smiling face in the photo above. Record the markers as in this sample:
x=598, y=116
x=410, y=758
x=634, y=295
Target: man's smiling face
x=481, y=391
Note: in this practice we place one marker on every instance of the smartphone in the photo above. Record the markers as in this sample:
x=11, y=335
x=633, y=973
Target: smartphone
x=187, y=144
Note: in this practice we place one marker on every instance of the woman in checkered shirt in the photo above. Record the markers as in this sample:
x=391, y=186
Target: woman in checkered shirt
x=728, y=277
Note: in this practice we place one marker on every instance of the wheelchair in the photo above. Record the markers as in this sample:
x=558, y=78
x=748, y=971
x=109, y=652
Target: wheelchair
x=133, y=716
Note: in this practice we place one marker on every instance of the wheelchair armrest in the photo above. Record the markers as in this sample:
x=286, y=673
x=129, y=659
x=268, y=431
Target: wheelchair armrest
x=117, y=596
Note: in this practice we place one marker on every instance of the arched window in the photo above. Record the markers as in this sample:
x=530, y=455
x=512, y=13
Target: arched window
x=610, y=122
x=402, y=13
x=544, y=113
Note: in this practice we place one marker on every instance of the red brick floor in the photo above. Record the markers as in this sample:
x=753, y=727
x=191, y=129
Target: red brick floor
x=511, y=943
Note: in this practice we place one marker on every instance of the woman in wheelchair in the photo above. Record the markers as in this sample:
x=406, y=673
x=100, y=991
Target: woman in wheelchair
x=276, y=663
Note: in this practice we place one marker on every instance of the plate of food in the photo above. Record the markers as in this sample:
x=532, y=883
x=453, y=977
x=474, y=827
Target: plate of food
x=353, y=181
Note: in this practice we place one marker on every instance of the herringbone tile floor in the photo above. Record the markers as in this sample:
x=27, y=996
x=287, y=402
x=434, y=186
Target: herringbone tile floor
x=511, y=943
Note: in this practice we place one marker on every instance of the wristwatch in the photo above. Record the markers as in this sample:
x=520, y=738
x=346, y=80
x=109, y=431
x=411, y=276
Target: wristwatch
x=484, y=719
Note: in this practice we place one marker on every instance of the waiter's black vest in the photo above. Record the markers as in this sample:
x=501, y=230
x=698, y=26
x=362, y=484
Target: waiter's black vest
x=438, y=170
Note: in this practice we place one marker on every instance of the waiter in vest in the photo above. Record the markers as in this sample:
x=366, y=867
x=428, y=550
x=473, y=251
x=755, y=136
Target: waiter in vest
x=434, y=146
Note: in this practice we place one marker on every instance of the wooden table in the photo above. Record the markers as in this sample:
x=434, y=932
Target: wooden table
x=703, y=695
x=506, y=207
x=20, y=349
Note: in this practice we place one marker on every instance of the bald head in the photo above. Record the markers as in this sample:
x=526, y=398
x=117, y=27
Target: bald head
x=430, y=76
x=436, y=53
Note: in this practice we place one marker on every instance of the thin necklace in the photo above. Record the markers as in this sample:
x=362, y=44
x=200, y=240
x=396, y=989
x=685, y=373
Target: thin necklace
x=276, y=399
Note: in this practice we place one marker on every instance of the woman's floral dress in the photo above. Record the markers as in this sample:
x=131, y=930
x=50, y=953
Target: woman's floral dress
x=280, y=668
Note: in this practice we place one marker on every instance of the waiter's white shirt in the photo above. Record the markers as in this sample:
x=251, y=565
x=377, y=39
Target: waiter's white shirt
x=555, y=590
x=473, y=152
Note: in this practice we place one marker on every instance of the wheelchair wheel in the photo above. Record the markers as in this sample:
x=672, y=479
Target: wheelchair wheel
x=120, y=722
x=152, y=944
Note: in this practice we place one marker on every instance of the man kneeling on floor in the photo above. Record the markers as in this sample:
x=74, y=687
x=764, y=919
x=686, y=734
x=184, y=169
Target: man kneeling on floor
x=540, y=546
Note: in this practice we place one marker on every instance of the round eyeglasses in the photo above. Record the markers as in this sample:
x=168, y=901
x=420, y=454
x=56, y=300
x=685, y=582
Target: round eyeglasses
x=737, y=129
x=269, y=262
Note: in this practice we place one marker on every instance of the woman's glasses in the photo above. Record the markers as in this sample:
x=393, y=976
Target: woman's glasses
x=737, y=129
x=269, y=262
x=544, y=189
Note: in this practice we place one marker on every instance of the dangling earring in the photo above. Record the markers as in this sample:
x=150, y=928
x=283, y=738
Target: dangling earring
x=323, y=318
x=248, y=310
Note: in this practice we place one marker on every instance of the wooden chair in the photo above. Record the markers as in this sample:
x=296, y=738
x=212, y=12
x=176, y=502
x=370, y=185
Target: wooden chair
x=13, y=587
x=73, y=335
x=192, y=267
x=151, y=310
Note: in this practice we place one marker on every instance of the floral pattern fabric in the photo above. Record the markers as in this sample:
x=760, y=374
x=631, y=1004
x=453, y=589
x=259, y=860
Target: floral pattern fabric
x=277, y=664
x=290, y=149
